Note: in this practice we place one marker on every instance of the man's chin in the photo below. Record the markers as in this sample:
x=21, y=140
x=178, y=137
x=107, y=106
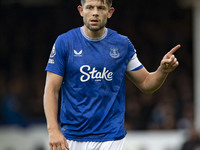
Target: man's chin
x=95, y=28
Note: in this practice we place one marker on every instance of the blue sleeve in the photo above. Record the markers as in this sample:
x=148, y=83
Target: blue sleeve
x=131, y=49
x=57, y=58
x=134, y=64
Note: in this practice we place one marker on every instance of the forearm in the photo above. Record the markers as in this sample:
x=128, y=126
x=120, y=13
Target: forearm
x=150, y=82
x=153, y=81
x=147, y=82
x=56, y=138
x=51, y=110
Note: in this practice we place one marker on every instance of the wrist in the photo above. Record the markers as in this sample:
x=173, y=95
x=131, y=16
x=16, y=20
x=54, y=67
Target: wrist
x=163, y=71
x=52, y=128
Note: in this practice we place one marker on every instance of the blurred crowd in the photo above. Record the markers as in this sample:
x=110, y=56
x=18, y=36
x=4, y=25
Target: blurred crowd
x=27, y=35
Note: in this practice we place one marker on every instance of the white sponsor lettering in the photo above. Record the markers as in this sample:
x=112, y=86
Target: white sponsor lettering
x=94, y=74
x=51, y=61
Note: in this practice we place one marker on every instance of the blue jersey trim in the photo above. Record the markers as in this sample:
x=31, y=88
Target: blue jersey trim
x=138, y=68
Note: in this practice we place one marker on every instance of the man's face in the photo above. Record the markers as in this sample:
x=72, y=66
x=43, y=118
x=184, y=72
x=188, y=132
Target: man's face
x=95, y=14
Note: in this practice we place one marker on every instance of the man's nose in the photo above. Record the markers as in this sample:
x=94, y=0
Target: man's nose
x=95, y=12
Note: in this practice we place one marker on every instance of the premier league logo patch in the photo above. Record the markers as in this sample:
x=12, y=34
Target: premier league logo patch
x=114, y=52
x=53, y=52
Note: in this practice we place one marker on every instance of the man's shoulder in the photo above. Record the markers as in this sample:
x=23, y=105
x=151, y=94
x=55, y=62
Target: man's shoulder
x=113, y=33
x=70, y=33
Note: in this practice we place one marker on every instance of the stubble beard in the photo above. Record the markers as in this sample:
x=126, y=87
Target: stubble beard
x=95, y=28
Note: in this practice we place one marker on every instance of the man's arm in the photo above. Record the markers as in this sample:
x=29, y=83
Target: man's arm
x=51, y=93
x=150, y=82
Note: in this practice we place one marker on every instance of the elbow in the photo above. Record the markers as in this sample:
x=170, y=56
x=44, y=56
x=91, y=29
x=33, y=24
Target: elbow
x=147, y=91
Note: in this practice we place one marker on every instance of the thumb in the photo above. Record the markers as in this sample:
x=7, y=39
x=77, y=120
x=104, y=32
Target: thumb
x=66, y=145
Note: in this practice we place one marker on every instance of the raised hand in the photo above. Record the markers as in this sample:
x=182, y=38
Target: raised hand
x=169, y=61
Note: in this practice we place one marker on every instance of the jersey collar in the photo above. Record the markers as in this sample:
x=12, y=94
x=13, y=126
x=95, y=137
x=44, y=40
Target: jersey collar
x=94, y=39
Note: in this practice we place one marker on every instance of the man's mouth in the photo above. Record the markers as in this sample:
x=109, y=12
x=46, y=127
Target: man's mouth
x=94, y=21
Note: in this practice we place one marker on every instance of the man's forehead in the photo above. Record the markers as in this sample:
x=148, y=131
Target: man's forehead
x=95, y=1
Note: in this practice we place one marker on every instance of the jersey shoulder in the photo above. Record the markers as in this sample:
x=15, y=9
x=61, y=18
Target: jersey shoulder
x=117, y=36
x=71, y=33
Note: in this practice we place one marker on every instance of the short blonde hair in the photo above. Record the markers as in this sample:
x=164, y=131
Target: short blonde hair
x=108, y=2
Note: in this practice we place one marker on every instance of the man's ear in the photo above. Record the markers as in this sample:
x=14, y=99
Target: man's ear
x=80, y=9
x=110, y=12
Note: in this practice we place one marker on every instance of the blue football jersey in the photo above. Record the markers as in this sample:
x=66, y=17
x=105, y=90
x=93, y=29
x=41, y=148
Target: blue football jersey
x=93, y=89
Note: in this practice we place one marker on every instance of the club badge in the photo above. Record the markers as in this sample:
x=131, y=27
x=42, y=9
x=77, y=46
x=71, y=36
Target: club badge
x=114, y=52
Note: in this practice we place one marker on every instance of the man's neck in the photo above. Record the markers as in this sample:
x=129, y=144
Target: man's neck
x=93, y=34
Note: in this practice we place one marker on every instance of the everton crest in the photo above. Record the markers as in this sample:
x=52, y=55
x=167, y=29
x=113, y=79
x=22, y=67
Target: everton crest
x=114, y=52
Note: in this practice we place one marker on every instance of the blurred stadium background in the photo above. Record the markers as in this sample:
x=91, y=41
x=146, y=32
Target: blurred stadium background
x=164, y=120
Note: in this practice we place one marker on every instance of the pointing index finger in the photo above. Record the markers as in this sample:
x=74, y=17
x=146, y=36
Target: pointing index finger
x=173, y=50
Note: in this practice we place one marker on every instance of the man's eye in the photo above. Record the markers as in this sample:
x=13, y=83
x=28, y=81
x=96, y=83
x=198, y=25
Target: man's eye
x=89, y=7
x=101, y=8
